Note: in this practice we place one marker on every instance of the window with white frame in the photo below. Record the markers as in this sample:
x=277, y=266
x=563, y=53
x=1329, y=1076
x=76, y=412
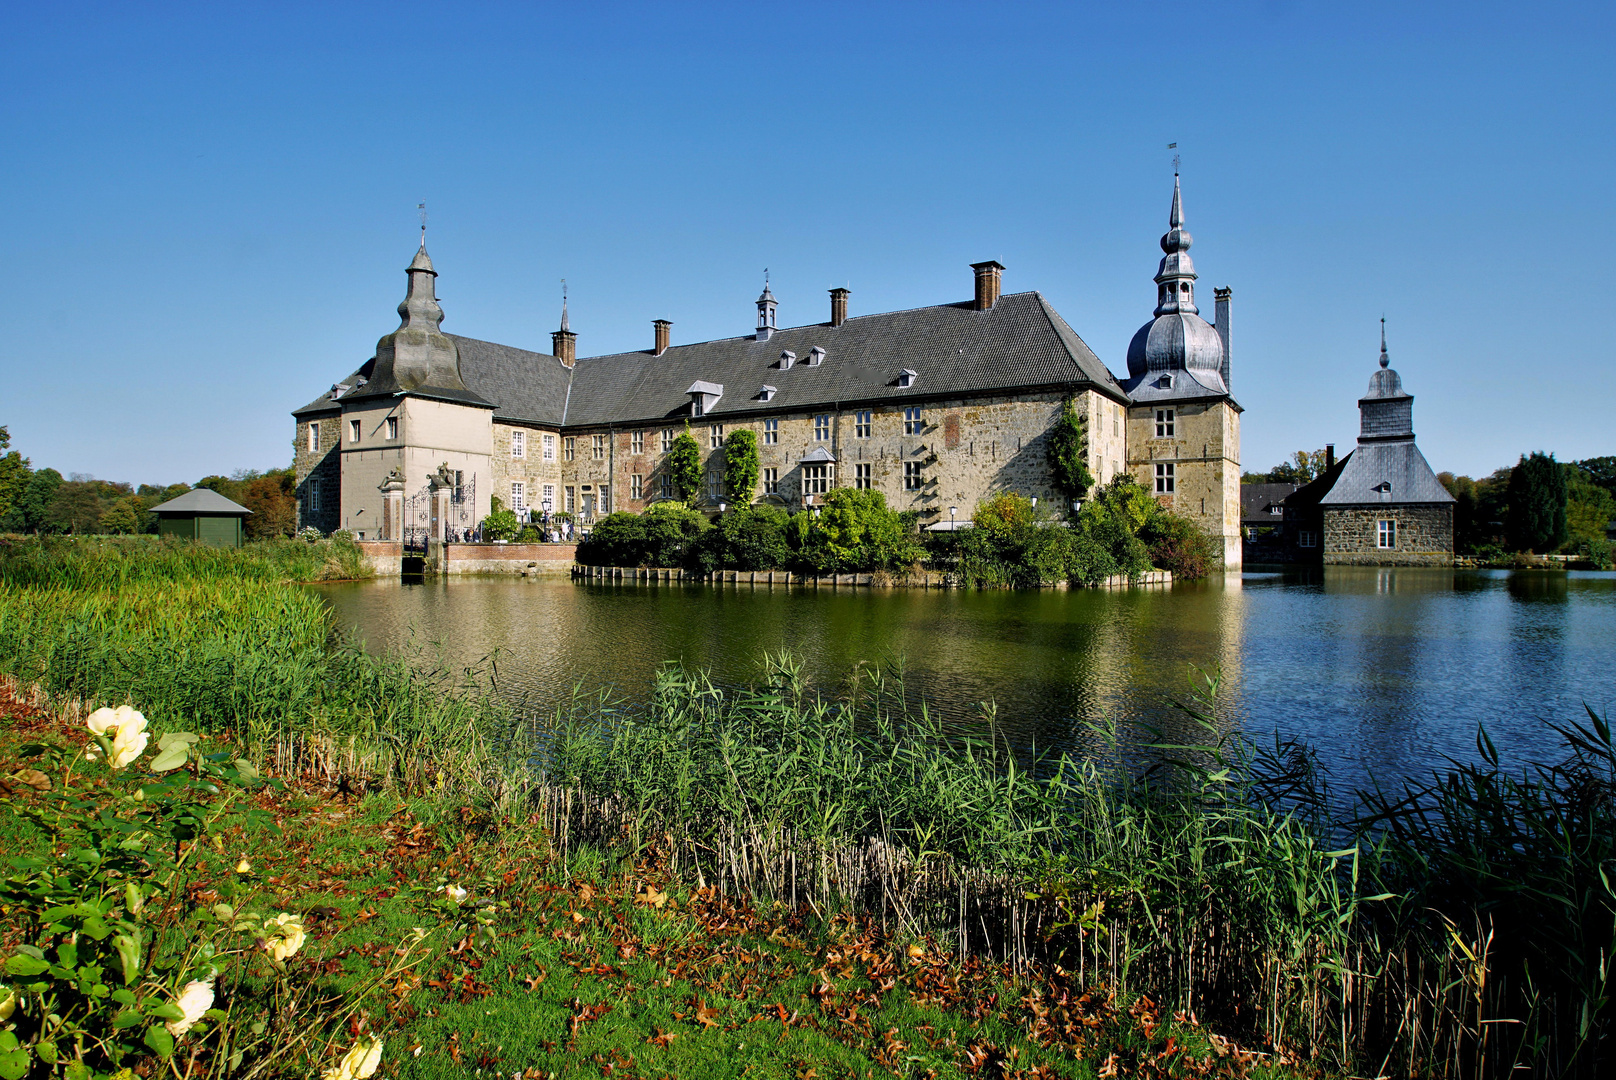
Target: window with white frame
x=605, y=498
x=914, y=477
x=313, y=489
x=862, y=424
x=667, y=486
x=696, y=408
x=715, y=484
x=636, y=486
x=314, y=437
x=636, y=443
x=1307, y=538
x=715, y=436
x=771, y=432
x=1164, y=423
x=569, y=447
x=1164, y=478
x=597, y=447
x=518, y=496
x=816, y=479
x=667, y=439
x=549, y=448
x=392, y=427
x=353, y=431
x=771, y=481
x=518, y=444
x=822, y=427
x=549, y=497
x=572, y=498
x=1116, y=420
x=1386, y=533
x=861, y=476
x=912, y=423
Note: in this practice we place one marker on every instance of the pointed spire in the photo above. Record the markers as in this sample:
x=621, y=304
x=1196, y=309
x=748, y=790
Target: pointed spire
x=564, y=304
x=563, y=342
x=1175, y=218
x=1175, y=279
x=1385, y=361
x=418, y=353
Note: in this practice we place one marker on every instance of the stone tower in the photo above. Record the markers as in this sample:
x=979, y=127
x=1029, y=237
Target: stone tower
x=1183, y=426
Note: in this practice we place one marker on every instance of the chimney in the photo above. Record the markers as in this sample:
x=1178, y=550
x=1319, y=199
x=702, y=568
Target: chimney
x=662, y=326
x=564, y=343
x=1329, y=456
x=987, y=284
x=838, y=306
x=1221, y=315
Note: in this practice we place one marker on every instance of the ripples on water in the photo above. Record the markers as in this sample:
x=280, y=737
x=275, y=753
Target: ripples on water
x=1380, y=670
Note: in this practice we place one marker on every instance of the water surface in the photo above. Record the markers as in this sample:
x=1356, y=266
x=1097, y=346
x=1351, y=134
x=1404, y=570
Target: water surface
x=1380, y=669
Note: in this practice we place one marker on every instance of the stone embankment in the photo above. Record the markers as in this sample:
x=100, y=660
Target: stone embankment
x=924, y=579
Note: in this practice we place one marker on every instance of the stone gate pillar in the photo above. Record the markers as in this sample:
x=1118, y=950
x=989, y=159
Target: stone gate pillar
x=392, y=490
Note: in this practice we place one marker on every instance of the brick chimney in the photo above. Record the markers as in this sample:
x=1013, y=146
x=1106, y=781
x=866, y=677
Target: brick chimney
x=662, y=327
x=1221, y=297
x=838, y=306
x=1329, y=456
x=564, y=343
x=987, y=284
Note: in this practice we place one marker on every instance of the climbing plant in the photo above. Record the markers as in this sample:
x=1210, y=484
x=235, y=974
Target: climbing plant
x=741, y=465
x=1068, y=450
x=684, y=465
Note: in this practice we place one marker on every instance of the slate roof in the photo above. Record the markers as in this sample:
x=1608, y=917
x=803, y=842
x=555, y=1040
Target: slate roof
x=1019, y=344
x=200, y=501
x=1256, y=499
x=1399, y=464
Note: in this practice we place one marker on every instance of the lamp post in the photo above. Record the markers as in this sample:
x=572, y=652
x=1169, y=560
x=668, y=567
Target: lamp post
x=952, y=524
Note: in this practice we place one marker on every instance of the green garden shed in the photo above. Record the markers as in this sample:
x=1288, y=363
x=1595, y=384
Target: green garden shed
x=203, y=515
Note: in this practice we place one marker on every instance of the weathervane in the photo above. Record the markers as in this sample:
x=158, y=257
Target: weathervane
x=421, y=206
x=1174, y=146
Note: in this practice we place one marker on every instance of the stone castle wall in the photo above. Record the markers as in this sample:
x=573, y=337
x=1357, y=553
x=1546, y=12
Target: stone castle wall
x=321, y=464
x=1204, y=451
x=966, y=450
x=1424, y=535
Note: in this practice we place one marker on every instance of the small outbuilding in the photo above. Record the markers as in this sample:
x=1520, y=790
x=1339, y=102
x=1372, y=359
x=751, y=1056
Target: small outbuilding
x=202, y=515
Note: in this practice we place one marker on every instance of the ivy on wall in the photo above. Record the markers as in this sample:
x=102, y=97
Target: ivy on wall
x=741, y=465
x=1068, y=450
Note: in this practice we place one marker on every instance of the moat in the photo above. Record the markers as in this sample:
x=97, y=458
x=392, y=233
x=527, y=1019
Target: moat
x=1382, y=670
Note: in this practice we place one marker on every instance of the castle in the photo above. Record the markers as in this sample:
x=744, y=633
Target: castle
x=935, y=407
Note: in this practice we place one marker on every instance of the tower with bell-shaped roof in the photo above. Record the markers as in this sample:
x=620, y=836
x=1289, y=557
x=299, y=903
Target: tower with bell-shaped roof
x=1184, y=426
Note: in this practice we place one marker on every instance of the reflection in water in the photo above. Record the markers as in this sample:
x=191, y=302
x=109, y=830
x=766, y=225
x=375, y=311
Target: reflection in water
x=1383, y=670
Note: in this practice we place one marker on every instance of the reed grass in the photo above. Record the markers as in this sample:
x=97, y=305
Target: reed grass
x=1458, y=926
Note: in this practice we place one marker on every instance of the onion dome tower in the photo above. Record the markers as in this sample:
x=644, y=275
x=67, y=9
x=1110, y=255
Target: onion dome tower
x=1178, y=352
x=419, y=356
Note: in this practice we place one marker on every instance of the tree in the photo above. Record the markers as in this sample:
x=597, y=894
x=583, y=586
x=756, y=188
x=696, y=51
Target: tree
x=1537, y=505
x=273, y=503
x=14, y=474
x=684, y=465
x=35, y=500
x=1600, y=470
x=125, y=516
x=855, y=530
x=75, y=508
x=741, y=465
x=1304, y=467
x=1068, y=452
x=501, y=524
x=1589, y=509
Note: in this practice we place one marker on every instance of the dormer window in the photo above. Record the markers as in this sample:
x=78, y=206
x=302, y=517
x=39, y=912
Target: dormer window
x=787, y=358
x=703, y=396
x=907, y=377
x=816, y=356
x=767, y=393
x=1165, y=382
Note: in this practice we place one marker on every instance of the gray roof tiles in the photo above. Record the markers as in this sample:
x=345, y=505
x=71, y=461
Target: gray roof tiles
x=1399, y=464
x=200, y=501
x=1019, y=343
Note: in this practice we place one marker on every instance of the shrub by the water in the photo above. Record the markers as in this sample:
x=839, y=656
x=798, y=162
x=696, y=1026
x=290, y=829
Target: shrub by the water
x=746, y=538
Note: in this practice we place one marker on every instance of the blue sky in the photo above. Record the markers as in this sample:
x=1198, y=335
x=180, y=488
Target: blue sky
x=209, y=208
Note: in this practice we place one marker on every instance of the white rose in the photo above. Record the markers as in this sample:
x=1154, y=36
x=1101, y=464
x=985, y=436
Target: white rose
x=286, y=935
x=357, y=1064
x=194, y=1000
x=458, y=894
x=130, y=742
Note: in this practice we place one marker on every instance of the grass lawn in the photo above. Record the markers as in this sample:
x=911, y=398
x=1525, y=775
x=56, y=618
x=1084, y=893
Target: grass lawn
x=594, y=966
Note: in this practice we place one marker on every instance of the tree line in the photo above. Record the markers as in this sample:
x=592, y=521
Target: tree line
x=44, y=501
x=1536, y=506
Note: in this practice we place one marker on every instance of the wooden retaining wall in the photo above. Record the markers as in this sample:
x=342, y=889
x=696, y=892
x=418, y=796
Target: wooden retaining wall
x=926, y=579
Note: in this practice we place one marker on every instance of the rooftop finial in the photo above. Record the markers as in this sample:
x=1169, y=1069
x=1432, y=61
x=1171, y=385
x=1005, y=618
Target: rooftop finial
x=1174, y=146
x=1385, y=361
x=421, y=206
x=564, y=304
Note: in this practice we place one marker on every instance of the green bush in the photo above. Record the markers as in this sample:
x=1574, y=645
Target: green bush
x=741, y=465
x=658, y=537
x=501, y=525
x=750, y=538
x=855, y=531
x=1176, y=543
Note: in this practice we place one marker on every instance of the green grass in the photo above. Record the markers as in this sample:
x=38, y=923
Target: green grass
x=1456, y=927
